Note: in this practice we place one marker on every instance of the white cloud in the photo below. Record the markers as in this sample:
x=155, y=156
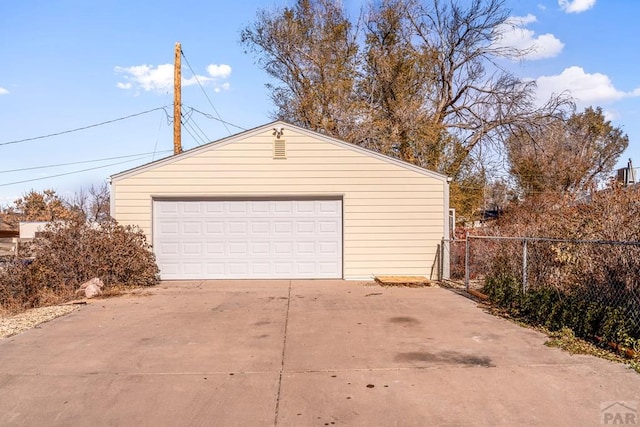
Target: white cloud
x=587, y=89
x=3, y=91
x=576, y=6
x=513, y=33
x=220, y=71
x=223, y=86
x=160, y=79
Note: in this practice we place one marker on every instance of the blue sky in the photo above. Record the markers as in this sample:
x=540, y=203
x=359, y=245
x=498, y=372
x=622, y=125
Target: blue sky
x=73, y=63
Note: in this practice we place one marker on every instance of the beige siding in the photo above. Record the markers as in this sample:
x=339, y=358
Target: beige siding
x=393, y=216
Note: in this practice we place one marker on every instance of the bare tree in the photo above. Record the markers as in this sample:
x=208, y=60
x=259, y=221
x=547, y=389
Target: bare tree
x=474, y=99
x=92, y=205
x=413, y=79
x=420, y=83
x=568, y=157
x=311, y=50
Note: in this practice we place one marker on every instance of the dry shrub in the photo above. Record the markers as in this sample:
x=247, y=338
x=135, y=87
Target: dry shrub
x=592, y=288
x=609, y=215
x=69, y=253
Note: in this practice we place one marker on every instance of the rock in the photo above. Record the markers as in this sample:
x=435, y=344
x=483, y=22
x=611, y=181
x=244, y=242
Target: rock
x=91, y=288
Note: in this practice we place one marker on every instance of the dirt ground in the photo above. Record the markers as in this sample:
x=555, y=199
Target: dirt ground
x=300, y=353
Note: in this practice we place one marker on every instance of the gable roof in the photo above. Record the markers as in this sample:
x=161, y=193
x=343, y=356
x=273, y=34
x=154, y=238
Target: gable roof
x=269, y=126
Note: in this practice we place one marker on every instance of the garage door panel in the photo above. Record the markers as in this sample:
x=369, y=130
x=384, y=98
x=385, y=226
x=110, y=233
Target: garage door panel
x=329, y=208
x=237, y=228
x=261, y=249
x=214, y=249
x=305, y=227
x=192, y=268
x=329, y=268
x=327, y=248
x=282, y=227
x=236, y=208
x=171, y=269
x=168, y=207
x=168, y=249
x=192, y=250
x=192, y=227
x=248, y=239
x=305, y=268
x=214, y=228
x=282, y=208
x=306, y=248
x=169, y=228
x=328, y=227
x=260, y=228
x=284, y=268
x=215, y=269
x=238, y=248
x=192, y=208
x=260, y=269
x=259, y=208
x=238, y=269
x=214, y=209
x=283, y=249
x=305, y=207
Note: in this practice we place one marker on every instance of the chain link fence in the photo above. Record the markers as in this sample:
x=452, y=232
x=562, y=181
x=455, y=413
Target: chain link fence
x=591, y=286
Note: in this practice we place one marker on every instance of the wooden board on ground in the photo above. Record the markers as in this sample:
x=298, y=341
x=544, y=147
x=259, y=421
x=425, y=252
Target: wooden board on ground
x=414, y=281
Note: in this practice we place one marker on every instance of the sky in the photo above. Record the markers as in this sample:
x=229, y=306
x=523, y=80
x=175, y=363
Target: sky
x=69, y=64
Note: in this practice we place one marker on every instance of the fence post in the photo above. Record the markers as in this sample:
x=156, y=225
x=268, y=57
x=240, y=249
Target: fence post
x=439, y=259
x=466, y=262
x=524, y=265
x=445, y=259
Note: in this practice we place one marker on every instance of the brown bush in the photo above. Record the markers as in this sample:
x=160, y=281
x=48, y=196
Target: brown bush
x=69, y=253
x=592, y=276
x=609, y=215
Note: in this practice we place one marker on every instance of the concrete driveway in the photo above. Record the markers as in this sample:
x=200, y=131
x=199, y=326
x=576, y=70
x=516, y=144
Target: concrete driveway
x=300, y=353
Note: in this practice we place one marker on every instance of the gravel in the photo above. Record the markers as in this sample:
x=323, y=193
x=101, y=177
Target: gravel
x=12, y=325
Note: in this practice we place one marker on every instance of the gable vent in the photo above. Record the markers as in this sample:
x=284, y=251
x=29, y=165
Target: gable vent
x=279, y=149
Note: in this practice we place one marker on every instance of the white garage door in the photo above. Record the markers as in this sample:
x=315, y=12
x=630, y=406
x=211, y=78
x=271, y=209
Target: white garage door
x=248, y=239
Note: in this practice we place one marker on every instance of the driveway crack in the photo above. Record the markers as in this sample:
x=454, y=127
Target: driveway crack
x=284, y=348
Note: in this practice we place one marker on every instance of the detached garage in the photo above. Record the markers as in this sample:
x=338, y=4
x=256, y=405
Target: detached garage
x=280, y=201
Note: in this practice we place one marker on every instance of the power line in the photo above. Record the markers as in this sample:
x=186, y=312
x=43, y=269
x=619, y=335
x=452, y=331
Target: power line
x=209, y=116
x=82, y=128
x=196, y=139
x=79, y=162
x=205, y=92
x=188, y=120
x=207, y=139
x=66, y=173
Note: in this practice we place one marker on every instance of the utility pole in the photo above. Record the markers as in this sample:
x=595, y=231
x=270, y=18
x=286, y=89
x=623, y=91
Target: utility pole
x=177, y=100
